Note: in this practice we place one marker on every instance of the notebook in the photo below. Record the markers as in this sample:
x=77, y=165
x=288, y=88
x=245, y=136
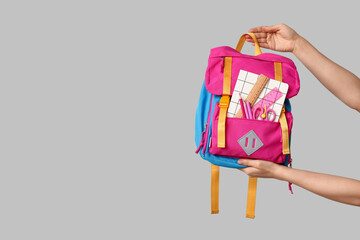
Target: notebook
x=245, y=82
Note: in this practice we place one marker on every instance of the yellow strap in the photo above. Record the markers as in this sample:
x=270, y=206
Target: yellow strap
x=250, y=208
x=278, y=71
x=227, y=76
x=285, y=132
x=223, y=104
x=214, y=189
x=242, y=41
x=282, y=119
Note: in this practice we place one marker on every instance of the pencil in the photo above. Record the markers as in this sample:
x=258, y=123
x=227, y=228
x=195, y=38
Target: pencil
x=243, y=108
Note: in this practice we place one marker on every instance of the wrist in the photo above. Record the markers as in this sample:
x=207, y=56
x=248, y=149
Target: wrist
x=299, y=43
x=281, y=172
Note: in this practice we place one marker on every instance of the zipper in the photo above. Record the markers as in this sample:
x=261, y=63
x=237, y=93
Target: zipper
x=202, y=139
x=208, y=125
x=290, y=165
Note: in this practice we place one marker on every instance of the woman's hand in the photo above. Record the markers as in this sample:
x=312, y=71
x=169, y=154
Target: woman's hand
x=259, y=168
x=279, y=37
x=344, y=190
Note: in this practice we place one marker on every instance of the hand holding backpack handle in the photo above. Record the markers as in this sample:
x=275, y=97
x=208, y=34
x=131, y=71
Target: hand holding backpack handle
x=282, y=38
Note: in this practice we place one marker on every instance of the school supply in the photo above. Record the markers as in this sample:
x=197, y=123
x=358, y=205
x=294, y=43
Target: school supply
x=263, y=113
x=248, y=86
x=221, y=139
x=249, y=111
x=242, y=108
x=271, y=99
x=258, y=89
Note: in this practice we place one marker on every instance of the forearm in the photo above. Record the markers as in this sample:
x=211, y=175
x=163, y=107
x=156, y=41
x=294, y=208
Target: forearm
x=336, y=188
x=341, y=82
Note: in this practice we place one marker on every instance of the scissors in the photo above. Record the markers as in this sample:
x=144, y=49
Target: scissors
x=265, y=114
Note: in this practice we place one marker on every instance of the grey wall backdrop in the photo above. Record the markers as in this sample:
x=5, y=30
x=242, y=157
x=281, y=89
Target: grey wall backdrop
x=98, y=102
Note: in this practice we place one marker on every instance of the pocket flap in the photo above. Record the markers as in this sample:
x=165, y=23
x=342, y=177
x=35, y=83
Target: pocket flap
x=260, y=64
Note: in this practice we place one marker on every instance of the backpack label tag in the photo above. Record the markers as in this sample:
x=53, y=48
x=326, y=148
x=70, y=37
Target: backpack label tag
x=250, y=142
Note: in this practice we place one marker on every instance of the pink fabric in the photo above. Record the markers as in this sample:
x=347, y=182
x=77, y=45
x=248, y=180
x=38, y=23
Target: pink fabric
x=261, y=64
x=268, y=132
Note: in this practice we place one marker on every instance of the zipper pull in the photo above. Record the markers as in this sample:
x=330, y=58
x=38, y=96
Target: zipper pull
x=290, y=165
x=290, y=188
x=202, y=139
x=222, y=64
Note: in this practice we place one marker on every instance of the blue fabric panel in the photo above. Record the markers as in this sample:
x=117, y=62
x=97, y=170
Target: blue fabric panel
x=202, y=112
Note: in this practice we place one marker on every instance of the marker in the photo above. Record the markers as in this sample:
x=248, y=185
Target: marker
x=248, y=107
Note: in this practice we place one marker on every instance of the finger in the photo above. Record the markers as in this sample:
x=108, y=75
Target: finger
x=256, y=29
x=259, y=35
x=262, y=40
x=249, y=40
x=264, y=45
x=264, y=29
x=261, y=44
x=248, y=171
x=271, y=29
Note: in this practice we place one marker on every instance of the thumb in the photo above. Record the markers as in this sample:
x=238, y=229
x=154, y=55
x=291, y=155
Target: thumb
x=247, y=162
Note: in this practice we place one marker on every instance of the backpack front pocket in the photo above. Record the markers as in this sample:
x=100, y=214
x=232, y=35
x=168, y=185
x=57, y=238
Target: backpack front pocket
x=245, y=138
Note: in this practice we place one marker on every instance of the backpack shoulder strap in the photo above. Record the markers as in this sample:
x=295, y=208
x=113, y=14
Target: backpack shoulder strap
x=282, y=119
x=214, y=189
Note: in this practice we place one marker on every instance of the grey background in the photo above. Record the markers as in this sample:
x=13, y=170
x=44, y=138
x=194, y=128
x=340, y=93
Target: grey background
x=98, y=102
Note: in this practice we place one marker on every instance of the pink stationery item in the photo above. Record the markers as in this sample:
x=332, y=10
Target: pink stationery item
x=242, y=107
x=263, y=113
x=267, y=102
x=249, y=111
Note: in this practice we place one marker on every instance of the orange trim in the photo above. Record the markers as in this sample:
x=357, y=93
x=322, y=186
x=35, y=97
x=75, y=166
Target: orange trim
x=215, y=189
x=223, y=104
x=242, y=41
x=227, y=76
x=251, y=198
x=282, y=119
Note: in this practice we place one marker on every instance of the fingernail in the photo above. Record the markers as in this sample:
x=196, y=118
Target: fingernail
x=240, y=161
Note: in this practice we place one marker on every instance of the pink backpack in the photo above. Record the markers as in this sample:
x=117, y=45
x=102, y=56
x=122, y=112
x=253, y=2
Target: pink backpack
x=221, y=139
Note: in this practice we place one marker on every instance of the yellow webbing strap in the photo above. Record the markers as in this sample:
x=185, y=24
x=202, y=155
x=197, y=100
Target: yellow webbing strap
x=285, y=132
x=242, y=41
x=282, y=119
x=250, y=208
x=224, y=102
x=227, y=76
x=214, y=189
